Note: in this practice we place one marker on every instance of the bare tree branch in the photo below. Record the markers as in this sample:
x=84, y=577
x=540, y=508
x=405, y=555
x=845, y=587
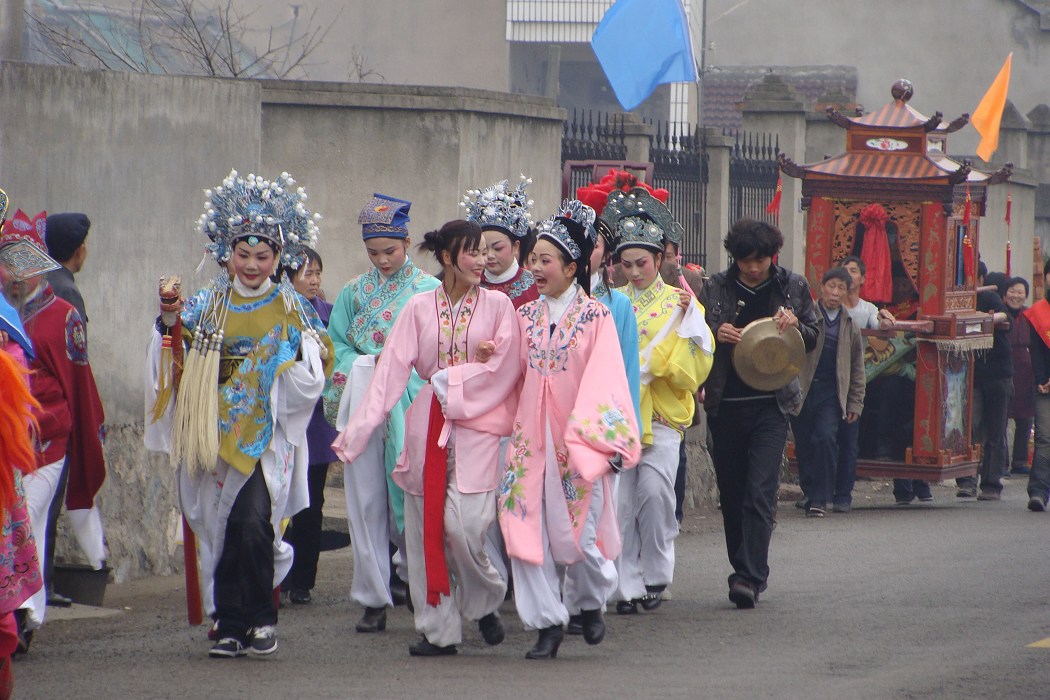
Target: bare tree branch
x=196, y=37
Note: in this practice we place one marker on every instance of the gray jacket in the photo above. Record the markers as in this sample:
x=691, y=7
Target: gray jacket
x=849, y=364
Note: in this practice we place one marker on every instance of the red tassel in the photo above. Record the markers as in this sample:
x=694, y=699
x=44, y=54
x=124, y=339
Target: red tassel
x=969, y=266
x=1008, y=256
x=967, y=208
x=1009, y=205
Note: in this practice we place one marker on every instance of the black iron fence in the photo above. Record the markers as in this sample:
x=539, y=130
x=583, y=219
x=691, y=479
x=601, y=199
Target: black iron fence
x=680, y=166
x=752, y=175
x=593, y=135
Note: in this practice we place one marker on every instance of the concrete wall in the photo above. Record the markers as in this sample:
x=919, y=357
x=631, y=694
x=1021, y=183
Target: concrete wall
x=427, y=145
x=135, y=152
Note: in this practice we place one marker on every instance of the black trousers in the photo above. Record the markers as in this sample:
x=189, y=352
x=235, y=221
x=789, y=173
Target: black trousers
x=748, y=439
x=305, y=534
x=244, y=572
x=679, y=482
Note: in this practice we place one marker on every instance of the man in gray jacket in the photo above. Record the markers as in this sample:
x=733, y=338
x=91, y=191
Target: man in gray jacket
x=833, y=384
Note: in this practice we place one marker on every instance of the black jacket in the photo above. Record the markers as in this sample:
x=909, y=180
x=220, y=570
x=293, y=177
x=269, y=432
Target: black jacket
x=719, y=300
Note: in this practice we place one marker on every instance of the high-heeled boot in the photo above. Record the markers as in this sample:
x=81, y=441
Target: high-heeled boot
x=593, y=623
x=548, y=643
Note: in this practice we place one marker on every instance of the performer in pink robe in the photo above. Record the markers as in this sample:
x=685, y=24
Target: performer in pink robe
x=464, y=341
x=574, y=427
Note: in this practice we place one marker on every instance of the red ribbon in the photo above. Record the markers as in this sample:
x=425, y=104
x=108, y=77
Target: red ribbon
x=435, y=483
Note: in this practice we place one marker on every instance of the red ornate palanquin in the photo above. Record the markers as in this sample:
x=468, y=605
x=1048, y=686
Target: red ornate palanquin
x=896, y=157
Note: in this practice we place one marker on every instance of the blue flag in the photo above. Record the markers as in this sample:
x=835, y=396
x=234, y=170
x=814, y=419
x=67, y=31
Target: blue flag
x=641, y=44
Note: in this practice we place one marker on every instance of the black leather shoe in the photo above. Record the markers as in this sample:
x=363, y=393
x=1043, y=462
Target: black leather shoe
x=300, y=597
x=57, y=600
x=374, y=620
x=575, y=625
x=593, y=624
x=491, y=628
x=548, y=643
x=424, y=648
x=742, y=594
x=653, y=597
x=627, y=607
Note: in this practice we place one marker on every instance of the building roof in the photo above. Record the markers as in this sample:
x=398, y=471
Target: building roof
x=725, y=86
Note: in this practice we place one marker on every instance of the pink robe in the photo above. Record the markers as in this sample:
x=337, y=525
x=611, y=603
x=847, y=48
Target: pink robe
x=481, y=397
x=576, y=383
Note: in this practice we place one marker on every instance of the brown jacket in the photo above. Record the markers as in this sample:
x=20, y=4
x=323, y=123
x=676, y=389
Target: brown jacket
x=849, y=364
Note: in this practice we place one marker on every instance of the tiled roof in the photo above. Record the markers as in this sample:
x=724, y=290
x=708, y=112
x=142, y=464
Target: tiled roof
x=724, y=88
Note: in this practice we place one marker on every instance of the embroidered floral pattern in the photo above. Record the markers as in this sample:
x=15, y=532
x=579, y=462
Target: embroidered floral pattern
x=452, y=333
x=651, y=309
x=375, y=304
x=609, y=428
x=575, y=488
x=548, y=352
x=511, y=498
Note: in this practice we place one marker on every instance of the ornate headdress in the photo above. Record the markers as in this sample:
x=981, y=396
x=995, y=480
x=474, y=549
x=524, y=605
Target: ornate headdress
x=384, y=217
x=568, y=234
x=23, y=252
x=501, y=208
x=640, y=220
x=255, y=208
x=578, y=211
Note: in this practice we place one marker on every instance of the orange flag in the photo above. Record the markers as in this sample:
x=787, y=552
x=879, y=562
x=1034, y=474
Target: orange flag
x=989, y=113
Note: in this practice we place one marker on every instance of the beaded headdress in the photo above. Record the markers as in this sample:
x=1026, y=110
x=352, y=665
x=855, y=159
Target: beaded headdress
x=578, y=211
x=568, y=234
x=501, y=208
x=384, y=217
x=640, y=220
x=260, y=210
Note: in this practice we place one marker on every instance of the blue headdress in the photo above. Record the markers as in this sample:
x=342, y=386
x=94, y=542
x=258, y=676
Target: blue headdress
x=384, y=217
x=501, y=208
x=259, y=210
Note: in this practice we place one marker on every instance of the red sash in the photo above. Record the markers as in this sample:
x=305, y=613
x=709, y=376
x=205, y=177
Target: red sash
x=1038, y=314
x=435, y=483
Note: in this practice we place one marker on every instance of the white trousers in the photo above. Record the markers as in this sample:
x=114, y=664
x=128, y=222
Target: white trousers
x=372, y=526
x=477, y=587
x=40, y=488
x=545, y=594
x=646, y=515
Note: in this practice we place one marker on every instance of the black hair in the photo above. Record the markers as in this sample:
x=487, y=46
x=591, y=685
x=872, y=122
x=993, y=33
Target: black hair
x=583, y=265
x=749, y=237
x=855, y=259
x=838, y=273
x=1016, y=280
x=982, y=269
x=452, y=238
x=1046, y=267
x=310, y=255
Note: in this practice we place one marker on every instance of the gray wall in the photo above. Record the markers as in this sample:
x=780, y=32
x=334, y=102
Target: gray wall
x=135, y=152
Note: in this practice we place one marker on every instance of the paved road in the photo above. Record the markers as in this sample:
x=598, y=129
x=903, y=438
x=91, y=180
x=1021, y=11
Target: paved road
x=931, y=601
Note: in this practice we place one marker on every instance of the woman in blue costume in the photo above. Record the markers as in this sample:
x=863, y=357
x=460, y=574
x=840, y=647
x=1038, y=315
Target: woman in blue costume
x=361, y=320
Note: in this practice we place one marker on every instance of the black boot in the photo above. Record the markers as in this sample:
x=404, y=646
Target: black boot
x=575, y=625
x=593, y=623
x=548, y=643
x=374, y=620
x=492, y=630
